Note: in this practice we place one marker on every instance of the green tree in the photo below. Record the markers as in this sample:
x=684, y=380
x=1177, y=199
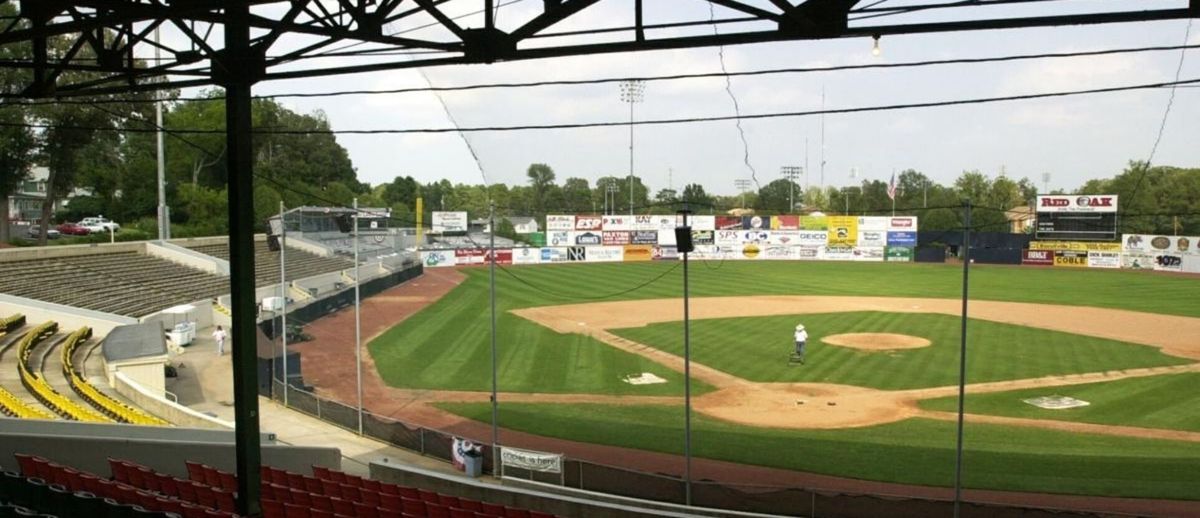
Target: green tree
x=777, y=197
x=541, y=179
x=577, y=196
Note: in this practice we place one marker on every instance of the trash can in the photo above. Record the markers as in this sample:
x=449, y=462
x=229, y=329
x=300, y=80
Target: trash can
x=473, y=463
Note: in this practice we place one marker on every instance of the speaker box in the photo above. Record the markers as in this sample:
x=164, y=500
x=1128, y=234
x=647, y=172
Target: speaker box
x=345, y=223
x=683, y=239
x=273, y=243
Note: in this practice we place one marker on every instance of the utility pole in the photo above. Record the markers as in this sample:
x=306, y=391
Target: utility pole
x=791, y=173
x=164, y=224
x=742, y=184
x=632, y=92
x=611, y=190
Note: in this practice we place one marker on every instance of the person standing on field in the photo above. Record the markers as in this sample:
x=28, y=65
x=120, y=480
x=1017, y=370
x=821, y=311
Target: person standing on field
x=801, y=339
x=219, y=336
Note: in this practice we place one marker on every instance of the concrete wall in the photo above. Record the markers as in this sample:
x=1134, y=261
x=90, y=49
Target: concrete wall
x=87, y=446
x=147, y=372
x=68, y=317
x=324, y=283
x=188, y=257
x=50, y=252
x=312, y=247
x=561, y=505
x=156, y=404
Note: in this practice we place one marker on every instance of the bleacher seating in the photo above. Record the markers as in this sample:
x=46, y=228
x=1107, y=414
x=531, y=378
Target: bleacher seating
x=105, y=404
x=37, y=385
x=10, y=323
x=10, y=404
x=300, y=264
x=125, y=283
x=72, y=493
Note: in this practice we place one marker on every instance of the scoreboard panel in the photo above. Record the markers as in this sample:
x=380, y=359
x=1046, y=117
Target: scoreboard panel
x=1077, y=218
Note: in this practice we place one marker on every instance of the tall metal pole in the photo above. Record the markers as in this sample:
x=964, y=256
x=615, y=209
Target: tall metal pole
x=630, y=158
x=283, y=293
x=235, y=70
x=632, y=91
x=357, y=323
x=687, y=380
x=164, y=225
x=492, y=282
x=962, y=357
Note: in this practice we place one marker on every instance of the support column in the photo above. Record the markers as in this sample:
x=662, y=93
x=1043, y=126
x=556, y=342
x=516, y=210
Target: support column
x=237, y=77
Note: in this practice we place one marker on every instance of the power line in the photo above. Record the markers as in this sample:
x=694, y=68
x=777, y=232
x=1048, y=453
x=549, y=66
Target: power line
x=736, y=108
x=685, y=120
x=674, y=77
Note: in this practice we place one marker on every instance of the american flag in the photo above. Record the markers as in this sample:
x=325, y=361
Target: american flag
x=892, y=188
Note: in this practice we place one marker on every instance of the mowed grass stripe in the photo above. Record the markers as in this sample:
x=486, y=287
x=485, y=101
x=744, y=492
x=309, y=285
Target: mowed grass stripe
x=757, y=349
x=1168, y=401
x=447, y=346
x=915, y=451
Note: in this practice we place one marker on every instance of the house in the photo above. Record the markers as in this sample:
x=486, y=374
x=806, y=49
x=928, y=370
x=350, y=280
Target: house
x=523, y=224
x=1021, y=219
x=26, y=203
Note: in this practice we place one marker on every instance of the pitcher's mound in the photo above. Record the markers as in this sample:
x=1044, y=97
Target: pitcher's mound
x=876, y=341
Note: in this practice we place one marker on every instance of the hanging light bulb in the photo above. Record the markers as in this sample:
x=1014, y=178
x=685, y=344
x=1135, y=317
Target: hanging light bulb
x=875, y=51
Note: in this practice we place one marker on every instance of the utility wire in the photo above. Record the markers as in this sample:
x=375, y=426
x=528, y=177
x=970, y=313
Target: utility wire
x=686, y=120
x=736, y=108
x=1166, y=113
x=674, y=77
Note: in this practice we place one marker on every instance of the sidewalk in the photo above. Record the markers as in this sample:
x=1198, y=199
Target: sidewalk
x=205, y=384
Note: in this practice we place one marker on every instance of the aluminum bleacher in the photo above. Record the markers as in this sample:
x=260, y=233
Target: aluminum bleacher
x=300, y=264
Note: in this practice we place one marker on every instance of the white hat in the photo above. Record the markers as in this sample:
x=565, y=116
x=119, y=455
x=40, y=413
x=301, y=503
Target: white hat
x=799, y=327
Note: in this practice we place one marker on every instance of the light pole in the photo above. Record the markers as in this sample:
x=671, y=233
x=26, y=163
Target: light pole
x=632, y=92
x=743, y=185
x=791, y=172
x=853, y=176
x=611, y=191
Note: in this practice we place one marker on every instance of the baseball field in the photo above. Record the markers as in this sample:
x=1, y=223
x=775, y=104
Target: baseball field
x=593, y=353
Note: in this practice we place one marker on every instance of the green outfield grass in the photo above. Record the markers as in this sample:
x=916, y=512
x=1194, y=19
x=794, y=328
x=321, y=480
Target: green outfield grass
x=1168, y=401
x=915, y=451
x=757, y=348
x=446, y=346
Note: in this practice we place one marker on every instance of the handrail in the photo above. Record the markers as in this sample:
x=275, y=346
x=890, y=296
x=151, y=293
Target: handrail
x=102, y=402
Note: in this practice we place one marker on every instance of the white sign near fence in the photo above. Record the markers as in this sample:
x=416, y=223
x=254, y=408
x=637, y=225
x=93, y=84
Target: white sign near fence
x=449, y=222
x=531, y=460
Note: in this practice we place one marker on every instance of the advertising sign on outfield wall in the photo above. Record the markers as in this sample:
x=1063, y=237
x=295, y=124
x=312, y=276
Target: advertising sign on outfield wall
x=666, y=237
x=778, y=252
x=605, y=254
x=617, y=238
x=469, y=256
x=872, y=238
x=638, y=253
x=588, y=239
x=527, y=255
x=665, y=253
x=843, y=231
x=644, y=237
x=560, y=222
x=839, y=253
x=879, y=223
x=1074, y=245
x=756, y=222
x=898, y=254
x=1137, y=261
x=438, y=258
x=785, y=222
x=1071, y=258
x=814, y=223
x=751, y=251
x=559, y=238
x=589, y=222
x=617, y=223
x=703, y=222
x=869, y=253
x=577, y=253
x=1168, y=262
x=703, y=237
x=901, y=238
x=727, y=237
x=810, y=253
x=783, y=237
x=1037, y=257
x=1103, y=259
x=728, y=223
x=902, y=224
x=753, y=236
x=1191, y=263
x=1154, y=244
x=554, y=255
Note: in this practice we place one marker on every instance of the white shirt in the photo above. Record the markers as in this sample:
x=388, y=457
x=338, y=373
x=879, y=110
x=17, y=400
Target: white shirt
x=801, y=336
x=219, y=335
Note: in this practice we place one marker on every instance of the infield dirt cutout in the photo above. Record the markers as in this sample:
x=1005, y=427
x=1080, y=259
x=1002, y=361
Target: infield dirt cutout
x=829, y=406
x=876, y=341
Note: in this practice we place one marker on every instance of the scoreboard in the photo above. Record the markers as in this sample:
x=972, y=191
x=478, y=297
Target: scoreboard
x=1077, y=217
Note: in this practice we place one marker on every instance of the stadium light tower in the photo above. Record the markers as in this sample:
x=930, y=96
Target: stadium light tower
x=743, y=185
x=610, y=191
x=791, y=172
x=632, y=92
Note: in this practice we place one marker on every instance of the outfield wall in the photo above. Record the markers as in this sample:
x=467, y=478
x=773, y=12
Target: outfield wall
x=604, y=239
x=1134, y=251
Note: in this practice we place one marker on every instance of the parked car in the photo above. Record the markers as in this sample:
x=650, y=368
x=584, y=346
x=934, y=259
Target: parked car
x=73, y=229
x=35, y=231
x=100, y=224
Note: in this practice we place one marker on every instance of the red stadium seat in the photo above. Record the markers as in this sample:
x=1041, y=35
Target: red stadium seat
x=539, y=514
x=195, y=471
x=409, y=492
x=428, y=496
x=351, y=493
x=433, y=510
x=343, y=507
x=510, y=512
x=225, y=501
x=491, y=509
x=227, y=480
x=295, y=511
x=412, y=506
x=300, y=497
x=363, y=510
x=330, y=488
x=461, y=513
x=449, y=501
x=313, y=485
x=389, y=501
x=317, y=513
x=320, y=472
x=272, y=509
x=321, y=502
x=389, y=489
x=370, y=485
x=470, y=505
x=212, y=477
x=337, y=476
x=369, y=497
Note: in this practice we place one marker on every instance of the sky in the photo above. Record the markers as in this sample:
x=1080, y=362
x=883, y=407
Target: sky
x=1073, y=139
